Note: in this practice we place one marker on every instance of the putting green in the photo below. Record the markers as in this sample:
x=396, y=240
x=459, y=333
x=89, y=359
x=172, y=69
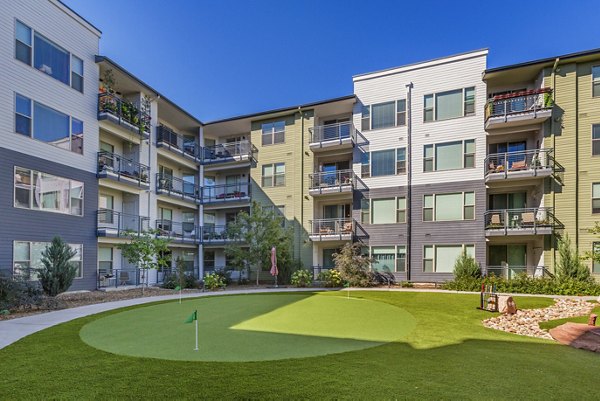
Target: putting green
x=251, y=327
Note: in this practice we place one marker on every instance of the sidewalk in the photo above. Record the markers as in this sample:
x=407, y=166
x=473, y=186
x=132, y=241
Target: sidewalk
x=15, y=329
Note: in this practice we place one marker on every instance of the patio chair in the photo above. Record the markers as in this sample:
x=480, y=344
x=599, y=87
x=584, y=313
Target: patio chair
x=528, y=219
x=123, y=278
x=495, y=220
x=518, y=165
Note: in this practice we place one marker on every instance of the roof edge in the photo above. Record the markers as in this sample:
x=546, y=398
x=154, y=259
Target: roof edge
x=543, y=60
x=94, y=27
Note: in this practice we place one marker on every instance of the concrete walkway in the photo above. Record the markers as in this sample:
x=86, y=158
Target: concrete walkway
x=14, y=329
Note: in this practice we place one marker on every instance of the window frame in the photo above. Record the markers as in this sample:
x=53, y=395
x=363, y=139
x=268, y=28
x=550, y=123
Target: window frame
x=433, y=158
x=29, y=261
x=273, y=177
x=365, y=212
x=366, y=115
x=370, y=213
x=433, y=260
x=595, y=263
x=400, y=165
x=433, y=208
x=595, y=210
x=594, y=140
x=31, y=118
x=397, y=248
x=273, y=133
x=596, y=81
x=433, y=110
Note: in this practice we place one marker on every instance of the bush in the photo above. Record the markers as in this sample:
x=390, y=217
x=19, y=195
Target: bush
x=214, y=281
x=58, y=272
x=569, y=265
x=330, y=278
x=354, y=267
x=225, y=276
x=172, y=281
x=18, y=294
x=301, y=278
x=466, y=266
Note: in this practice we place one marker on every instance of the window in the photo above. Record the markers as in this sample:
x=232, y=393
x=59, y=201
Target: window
x=106, y=204
x=386, y=211
x=40, y=191
x=23, y=43
x=596, y=81
x=365, y=165
x=27, y=258
x=596, y=198
x=388, y=162
x=48, y=125
x=441, y=258
x=383, y=115
x=449, y=104
x=77, y=73
x=596, y=139
x=273, y=133
x=105, y=260
x=449, y=155
x=48, y=57
x=401, y=112
x=401, y=210
x=273, y=175
x=388, y=258
x=595, y=262
x=449, y=207
x=365, y=211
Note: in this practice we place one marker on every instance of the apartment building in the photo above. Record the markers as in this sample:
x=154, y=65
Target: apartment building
x=542, y=168
x=49, y=135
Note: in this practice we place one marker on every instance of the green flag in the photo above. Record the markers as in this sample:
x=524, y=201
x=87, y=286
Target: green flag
x=346, y=284
x=177, y=288
x=193, y=316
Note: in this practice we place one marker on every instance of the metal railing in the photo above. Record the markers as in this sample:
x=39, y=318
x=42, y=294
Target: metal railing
x=332, y=179
x=113, y=164
x=226, y=192
x=332, y=132
x=172, y=140
x=116, y=224
x=528, y=160
x=226, y=152
x=124, y=111
x=177, y=231
x=333, y=227
x=121, y=277
x=520, y=219
x=318, y=269
x=520, y=102
x=177, y=187
x=212, y=233
x=510, y=271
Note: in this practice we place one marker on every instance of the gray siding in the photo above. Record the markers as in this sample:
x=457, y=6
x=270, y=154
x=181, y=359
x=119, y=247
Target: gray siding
x=32, y=225
x=446, y=232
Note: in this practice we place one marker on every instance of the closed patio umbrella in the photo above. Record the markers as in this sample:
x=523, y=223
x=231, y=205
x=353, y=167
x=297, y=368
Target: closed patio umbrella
x=274, y=271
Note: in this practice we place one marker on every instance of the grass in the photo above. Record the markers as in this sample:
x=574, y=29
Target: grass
x=550, y=324
x=448, y=355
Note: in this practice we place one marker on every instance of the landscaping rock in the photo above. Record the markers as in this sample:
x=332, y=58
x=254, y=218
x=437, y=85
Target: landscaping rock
x=526, y=322
x=578, y=335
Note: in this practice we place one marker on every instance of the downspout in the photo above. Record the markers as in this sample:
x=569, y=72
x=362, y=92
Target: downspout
x=409, y=180
x=301, y=183
x=552, y=127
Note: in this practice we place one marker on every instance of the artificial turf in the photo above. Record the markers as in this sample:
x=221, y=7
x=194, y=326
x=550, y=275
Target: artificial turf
x=448, y=355
x=550, y=324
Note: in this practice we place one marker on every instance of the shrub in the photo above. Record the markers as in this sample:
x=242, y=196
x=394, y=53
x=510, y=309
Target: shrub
x=214, y=281
x=354, y=266
x=172, y=281
x=569, y=265
x=301, y=278
x=225, y=276
x=466, y=266
x=330, y=278
x=58, y=272
x=17, y=294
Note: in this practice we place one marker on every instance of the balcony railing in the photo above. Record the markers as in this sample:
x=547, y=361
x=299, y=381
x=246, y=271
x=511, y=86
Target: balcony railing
x=533, y=162
x=226, y=193
x=333, y=179
x=111, y=223
x=177, y=188
x=510, y=271
x=334, y=133
x=216, y=234
x=521, y=221
x=123, y=112
x=121, y=277
x=177, y=231
x=228, y=152
x=112, y=165
x=341, y=228
x=531, y=101
x=175, y=142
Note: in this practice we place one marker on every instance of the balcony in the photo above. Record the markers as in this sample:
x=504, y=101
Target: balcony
x=519, y=109
x=185, y=233
x=510, y=272
x=117, y=168
x=176, y=143
x=216, y=235
x=230, y=194
x=111, y=223
x=123, y=113
x=177, y=188
x=242, y=152
x=520, y=165
x=332, y=136
x=341, y=229
x=334, y=182
x=531, y=221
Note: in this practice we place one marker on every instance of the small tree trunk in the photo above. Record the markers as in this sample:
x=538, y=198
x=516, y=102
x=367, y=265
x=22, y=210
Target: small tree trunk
x=258, y=270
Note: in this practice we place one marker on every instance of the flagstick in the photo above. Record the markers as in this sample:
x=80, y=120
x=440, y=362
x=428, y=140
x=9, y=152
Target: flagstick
x=179, y=294
x=196, y=349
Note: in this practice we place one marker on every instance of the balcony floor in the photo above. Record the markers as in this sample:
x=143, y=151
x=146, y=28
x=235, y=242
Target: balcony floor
x=518, y=231
x=518, y=175
x=345, y=143
x=122, y=178
x=330, y=237
x=331, y=190
x=518, y=119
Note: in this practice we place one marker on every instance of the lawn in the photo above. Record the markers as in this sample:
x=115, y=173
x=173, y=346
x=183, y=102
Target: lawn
x=439, y=351
x=578, y=319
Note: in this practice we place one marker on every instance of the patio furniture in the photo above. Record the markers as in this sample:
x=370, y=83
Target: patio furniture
x=123, y=278
x=528, y=219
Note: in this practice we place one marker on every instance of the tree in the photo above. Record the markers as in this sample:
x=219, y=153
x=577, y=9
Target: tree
x=146, y=250
x=258, y=231
x=569, y=265
x=354, y=267
x=466, y=266
x=58, y=272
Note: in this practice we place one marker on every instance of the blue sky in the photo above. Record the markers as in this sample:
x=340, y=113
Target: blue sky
x=223, y=58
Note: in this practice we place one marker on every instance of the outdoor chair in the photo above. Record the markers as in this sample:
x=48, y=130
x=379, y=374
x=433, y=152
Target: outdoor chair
x=123, y=278
x=495, y=220
x=518, y=165
x=528, y=219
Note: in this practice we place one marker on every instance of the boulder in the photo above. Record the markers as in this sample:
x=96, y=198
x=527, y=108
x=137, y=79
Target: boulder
x=578, y=335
